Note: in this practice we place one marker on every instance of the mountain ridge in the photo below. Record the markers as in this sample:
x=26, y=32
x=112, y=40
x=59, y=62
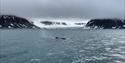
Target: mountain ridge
x=106, y=24
x=11, y=21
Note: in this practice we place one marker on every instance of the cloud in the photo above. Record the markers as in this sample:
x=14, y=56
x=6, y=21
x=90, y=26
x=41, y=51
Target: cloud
x=64, y=8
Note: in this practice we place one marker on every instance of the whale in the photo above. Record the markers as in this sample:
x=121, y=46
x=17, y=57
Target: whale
x=60, y=38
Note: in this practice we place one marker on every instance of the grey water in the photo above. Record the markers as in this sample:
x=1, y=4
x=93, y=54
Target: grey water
x=80, y=46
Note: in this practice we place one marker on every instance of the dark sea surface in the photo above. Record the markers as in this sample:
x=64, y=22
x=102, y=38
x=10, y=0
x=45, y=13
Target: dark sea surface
x=80, y=46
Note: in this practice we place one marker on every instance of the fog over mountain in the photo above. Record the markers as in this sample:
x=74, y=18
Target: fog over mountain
x=85, y=9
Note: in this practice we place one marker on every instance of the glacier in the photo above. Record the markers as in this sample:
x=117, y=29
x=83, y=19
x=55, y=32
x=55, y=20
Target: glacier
x=54, y=24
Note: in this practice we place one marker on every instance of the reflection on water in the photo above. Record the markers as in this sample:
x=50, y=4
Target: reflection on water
x=81, y=46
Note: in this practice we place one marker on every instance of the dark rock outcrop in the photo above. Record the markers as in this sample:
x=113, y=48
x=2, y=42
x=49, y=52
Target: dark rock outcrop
x=47, y=22
x=106, y=23
x=10, y=21
x=52, y=23
x=64, y=23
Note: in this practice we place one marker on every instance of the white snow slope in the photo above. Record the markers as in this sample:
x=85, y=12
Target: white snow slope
x=69, y=23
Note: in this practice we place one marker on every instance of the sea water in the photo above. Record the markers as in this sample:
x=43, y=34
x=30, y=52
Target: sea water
x=80, y=46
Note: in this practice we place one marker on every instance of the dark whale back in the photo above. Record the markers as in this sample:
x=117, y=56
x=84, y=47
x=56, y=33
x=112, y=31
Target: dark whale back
x=60, y=38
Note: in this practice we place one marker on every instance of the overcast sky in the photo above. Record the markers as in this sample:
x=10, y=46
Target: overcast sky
x=64, y=8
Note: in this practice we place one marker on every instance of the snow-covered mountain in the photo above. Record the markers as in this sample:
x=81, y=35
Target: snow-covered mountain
x=60, y=23
x=11, y=21
x=106, y=24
